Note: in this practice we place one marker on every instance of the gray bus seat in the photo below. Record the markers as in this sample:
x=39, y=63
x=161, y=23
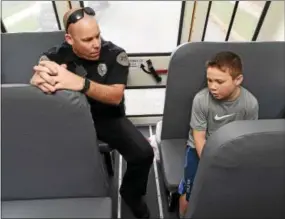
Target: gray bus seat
x=241, y=172
x=50, y=158
x=172, y=151
x=21, y=51
x=58, y=208
x=264, y=75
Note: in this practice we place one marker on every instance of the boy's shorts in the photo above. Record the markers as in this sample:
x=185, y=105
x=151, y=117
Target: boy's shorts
x=190, y=168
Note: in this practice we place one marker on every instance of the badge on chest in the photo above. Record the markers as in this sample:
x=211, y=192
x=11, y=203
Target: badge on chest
x=102, y=69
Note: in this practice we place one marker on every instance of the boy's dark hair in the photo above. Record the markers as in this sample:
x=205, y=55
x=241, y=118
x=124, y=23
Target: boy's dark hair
x=227, y=61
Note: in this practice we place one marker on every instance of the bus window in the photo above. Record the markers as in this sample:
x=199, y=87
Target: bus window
x=144, y=102
x=272, y=28
x=219, y=19
x=32, y=16
x=139, y=26
x=246, y=20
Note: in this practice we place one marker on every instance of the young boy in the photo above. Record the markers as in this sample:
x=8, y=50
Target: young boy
x=223, y=101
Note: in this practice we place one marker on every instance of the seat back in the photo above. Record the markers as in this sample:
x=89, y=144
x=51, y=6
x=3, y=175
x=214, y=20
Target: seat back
x=49, y=147
x=264, y=76
x=241, y=172
x=21, y=51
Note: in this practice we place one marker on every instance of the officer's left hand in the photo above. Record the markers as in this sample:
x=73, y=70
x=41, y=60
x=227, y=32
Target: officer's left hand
x=64, y=78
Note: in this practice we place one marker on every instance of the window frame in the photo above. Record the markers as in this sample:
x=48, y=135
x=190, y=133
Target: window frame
x=3, y=28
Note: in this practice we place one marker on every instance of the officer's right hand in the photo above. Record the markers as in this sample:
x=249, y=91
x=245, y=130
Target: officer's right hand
x=43, y=78
x=41, y=83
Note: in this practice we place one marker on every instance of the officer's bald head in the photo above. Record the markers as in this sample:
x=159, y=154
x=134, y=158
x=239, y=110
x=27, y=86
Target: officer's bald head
x=67, y=14
x=83, y=22
x=83, y=35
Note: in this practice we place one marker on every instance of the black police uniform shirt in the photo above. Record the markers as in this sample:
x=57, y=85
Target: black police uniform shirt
x=111, y=68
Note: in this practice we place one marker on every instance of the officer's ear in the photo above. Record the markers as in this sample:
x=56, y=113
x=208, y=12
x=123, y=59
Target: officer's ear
x=68, y=38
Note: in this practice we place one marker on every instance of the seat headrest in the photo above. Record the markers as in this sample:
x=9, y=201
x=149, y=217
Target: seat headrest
x=49, y=146
x=241, y=172
x=21, y=51
x=187, y=73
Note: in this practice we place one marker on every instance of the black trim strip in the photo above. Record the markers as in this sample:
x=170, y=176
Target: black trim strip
x=56, y=15
x=149, y=54
x=181, y=22
x=81, y=3
x=69, y=4
x=144, y=115
x=145, y=87
x=3, y=28
x=232, y=21
x=206, y=21
x=261, y=19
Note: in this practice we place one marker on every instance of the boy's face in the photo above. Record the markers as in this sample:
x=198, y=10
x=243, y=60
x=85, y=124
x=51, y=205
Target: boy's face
x=221, y=84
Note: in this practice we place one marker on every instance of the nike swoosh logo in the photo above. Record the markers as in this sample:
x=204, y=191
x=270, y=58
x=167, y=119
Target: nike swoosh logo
x=222, y=117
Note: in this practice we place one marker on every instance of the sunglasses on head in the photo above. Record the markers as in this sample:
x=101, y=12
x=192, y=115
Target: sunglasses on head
x=77, y=15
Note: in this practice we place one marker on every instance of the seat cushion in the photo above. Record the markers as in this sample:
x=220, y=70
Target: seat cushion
x=172, y=153
x=58, y=208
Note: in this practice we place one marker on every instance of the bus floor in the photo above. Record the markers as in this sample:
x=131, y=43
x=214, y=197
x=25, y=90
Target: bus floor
x=156, y=196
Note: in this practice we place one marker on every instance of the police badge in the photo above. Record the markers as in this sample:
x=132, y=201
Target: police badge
x=102, y=69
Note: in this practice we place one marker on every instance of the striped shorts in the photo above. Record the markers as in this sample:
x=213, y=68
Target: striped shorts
x=190, y=168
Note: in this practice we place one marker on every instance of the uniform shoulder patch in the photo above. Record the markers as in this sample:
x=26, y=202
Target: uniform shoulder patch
x=122, y=59
x=58, y=53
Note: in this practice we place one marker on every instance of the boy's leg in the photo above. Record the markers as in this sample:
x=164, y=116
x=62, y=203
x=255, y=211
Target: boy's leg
x=182, y=200
x=182, y=205
x=182, y=187
x=185, y=187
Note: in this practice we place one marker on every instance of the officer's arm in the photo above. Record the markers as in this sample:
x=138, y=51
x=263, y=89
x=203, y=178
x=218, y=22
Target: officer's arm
x=117, y=79
x=110, y=94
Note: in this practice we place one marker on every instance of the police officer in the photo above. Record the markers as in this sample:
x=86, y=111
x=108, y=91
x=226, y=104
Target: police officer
x=99, y=69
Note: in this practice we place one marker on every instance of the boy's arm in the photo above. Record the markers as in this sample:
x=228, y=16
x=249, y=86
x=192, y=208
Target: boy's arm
x=199, y=141
x=199, y=122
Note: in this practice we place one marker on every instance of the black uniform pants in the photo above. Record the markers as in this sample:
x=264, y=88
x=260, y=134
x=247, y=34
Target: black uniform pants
x=123, y=136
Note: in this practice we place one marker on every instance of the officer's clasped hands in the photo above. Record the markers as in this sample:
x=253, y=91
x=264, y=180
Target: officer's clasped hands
x=50, y=76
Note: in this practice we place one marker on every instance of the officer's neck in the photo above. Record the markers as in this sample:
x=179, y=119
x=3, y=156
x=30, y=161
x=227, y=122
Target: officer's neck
x=78, y=54
x=81, y=56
